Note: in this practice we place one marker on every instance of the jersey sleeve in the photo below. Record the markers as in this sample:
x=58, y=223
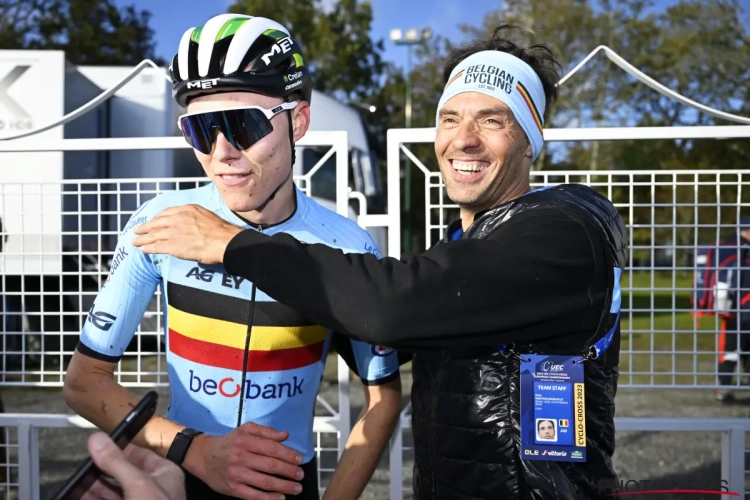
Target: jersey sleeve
x=120, y=304
x=373, y=364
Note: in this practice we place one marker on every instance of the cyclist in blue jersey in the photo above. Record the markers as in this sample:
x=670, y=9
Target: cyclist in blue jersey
x=244, y=370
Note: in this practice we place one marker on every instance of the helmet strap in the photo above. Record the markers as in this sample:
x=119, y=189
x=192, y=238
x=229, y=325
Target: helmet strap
x=291, y=138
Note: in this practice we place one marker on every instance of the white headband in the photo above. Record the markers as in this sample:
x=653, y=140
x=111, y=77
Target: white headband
x=508, y=79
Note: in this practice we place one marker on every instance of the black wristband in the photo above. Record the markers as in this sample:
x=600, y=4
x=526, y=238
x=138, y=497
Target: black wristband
x=180, y=445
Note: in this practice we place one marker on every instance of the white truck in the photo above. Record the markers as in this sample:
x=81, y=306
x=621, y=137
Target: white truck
x=53, y=231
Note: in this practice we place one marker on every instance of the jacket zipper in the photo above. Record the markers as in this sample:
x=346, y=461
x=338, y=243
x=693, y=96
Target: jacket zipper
x=246, y=353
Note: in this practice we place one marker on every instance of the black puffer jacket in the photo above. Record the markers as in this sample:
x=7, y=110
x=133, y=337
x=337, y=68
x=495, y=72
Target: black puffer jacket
x=466, y=410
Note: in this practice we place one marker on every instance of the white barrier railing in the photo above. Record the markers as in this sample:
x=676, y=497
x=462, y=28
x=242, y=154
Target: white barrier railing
x=733, y=432
x=28, y=426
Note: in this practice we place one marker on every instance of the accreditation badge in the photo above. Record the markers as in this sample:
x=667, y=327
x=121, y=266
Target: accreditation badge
x=553, y=410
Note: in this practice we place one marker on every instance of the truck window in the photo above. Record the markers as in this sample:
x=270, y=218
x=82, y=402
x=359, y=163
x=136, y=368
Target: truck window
x=323, y=181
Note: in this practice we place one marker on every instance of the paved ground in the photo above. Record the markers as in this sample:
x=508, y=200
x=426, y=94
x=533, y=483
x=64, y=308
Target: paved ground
x=665, y=460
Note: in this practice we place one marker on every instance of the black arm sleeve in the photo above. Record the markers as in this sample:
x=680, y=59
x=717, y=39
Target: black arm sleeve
x=539, y=275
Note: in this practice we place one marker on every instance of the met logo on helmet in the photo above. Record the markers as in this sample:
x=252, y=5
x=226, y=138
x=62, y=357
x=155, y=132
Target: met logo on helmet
x=282, y=46
x=202, y=84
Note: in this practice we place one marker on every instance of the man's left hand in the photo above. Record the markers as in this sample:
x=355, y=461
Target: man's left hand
x=189, y=232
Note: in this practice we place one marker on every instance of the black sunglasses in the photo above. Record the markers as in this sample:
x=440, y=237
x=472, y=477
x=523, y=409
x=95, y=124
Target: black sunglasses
x=242, y=127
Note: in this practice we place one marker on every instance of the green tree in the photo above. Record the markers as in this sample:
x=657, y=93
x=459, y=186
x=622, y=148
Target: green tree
x=573, y=29
x=696, y=49
x=344, y=59
x=18, y=20
x=700, y=50
x=94, y=32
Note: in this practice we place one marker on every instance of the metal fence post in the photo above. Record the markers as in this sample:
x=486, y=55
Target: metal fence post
x=396, y=462
x=35, y=463
x=340, y=145
x=25, y=475
x=733, y=461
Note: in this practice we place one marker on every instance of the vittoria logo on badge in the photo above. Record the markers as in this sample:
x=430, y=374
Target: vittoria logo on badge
x=379, y=350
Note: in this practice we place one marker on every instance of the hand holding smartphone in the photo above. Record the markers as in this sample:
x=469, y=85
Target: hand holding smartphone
x=87, y=474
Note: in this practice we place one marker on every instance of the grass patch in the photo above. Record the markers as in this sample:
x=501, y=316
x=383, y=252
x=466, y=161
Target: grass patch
x=662, y=342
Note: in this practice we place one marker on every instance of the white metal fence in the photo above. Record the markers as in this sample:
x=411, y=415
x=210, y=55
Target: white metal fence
x=21, y=473
x=44, y=313
x=668, y=214
x=731, y=434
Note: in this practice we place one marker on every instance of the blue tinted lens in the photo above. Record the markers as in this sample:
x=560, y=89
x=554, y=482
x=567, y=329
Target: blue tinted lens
x=241, y=127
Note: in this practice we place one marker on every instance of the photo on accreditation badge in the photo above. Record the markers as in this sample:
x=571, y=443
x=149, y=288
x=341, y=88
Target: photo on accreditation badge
x=546, y=430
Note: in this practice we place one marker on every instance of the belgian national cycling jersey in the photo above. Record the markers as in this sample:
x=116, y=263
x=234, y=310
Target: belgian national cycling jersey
x=206, y=316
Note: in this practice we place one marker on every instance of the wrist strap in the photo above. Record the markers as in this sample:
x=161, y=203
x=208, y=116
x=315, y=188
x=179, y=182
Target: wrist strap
x=181, y=444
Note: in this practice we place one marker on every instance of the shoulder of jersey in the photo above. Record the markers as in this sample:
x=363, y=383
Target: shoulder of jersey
x=348, y=229
x=203, y=196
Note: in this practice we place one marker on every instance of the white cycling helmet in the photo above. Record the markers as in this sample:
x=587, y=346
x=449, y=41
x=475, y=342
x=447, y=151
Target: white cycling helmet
x=215, y=58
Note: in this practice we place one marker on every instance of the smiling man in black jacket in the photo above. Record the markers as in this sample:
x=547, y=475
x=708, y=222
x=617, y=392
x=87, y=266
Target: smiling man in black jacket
x=513, y=316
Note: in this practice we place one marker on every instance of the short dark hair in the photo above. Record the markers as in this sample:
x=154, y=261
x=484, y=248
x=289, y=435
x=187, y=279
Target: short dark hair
x=539, y=57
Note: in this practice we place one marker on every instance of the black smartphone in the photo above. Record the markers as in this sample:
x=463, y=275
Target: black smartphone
x=85, y=476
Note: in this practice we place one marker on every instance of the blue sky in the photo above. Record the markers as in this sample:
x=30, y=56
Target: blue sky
x=172, y=17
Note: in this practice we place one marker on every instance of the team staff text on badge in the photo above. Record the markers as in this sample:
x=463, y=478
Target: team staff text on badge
x=553, y=410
